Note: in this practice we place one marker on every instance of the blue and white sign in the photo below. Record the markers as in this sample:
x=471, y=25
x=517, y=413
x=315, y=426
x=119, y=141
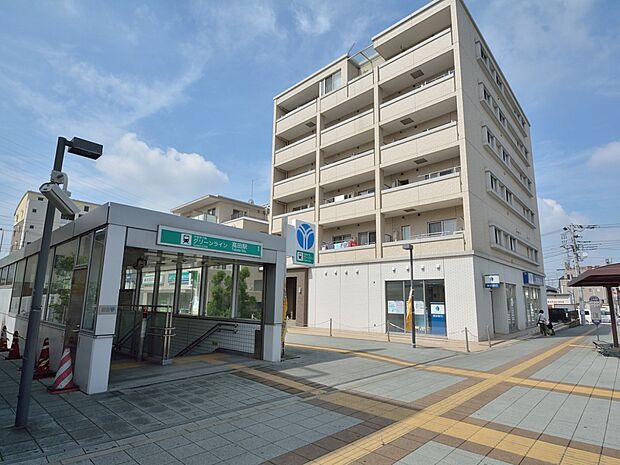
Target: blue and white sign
x=491, y=281
x=533, y=278
x=301, y=243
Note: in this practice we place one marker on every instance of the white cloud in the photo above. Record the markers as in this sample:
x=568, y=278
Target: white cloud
x=553, y=216
x=314, y=18
x=606, y=157
x=157, y=179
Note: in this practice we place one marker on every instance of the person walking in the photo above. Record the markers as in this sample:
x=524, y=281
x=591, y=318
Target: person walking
x=542, y=323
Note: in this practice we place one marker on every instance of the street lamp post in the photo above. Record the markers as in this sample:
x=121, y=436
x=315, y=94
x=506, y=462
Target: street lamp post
x=1, y=240
x=86, y=149
x=409, y=247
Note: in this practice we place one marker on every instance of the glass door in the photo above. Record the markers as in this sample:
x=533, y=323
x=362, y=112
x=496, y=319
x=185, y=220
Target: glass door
x=511, y=305
x=74, y=313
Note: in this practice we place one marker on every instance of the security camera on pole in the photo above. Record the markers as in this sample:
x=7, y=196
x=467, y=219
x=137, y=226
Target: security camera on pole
x=57, y=199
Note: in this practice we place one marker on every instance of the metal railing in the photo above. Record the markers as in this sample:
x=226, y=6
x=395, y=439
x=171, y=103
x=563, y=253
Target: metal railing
x=232, y=327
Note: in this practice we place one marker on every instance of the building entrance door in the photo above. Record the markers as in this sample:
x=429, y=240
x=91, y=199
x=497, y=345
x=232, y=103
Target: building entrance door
x=511, y=304
x=74, y=312
x=291, y=297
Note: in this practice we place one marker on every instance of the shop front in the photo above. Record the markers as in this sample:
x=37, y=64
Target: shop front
x=429, y=305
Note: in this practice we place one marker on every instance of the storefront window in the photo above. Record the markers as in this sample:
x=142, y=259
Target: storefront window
x=428, y=305
x=167, y=281
x=189, y=298
x=60, y=287
x=84, y=250
x=250, y=292
x=219, y=300
x=532, y=304
x=31, y=269
x=94, y=281
x=16, y=294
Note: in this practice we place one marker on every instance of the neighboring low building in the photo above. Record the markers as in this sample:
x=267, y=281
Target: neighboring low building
x=418, y=139
x=29, y=217
x=224, y=210
x=588, y=292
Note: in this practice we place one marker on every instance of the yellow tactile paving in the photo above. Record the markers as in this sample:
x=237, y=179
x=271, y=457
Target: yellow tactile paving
x=362, y=447
x=467, y=373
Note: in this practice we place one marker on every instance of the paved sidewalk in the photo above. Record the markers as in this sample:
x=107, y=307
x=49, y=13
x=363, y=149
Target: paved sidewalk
x=336, y=401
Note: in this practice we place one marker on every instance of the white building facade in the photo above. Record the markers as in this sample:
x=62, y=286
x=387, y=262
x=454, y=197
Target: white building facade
x=417, y=139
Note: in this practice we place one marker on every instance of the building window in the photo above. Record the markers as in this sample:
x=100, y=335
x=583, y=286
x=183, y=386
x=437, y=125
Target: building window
x=211, y=211
x=40, y=199
x=513, y=244
x=370, y=190
x=300, y=207
x=508, y=196
x=31, y=227
x=86, y=208
x=442, y=227
x=505, y=156
x=34, y=210
x=330, y=83
x=405, y=232
x=498, y=236
x=494, y=183
x=341, y=238
x=367, y=238
x=532, y=304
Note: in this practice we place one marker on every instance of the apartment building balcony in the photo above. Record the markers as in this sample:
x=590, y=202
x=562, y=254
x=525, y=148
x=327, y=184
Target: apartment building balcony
x=298, y=121
x=348, y=253
x=439, y=139
x=353, y=167
x=427, y=244
x=296, y=154
x=361, y=208
x=306, y=214
x=440, y=189
x=355, y=88
x=295, y=187
x=348, y=133
x=416, y=56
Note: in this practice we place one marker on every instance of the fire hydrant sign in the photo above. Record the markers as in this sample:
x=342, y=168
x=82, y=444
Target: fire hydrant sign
x=201, y=241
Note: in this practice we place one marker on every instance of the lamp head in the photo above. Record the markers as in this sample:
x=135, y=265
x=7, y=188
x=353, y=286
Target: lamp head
x=408, y=246
x=85, y=148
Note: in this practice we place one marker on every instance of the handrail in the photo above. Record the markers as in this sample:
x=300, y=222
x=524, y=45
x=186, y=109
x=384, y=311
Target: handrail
x=128, y=334
x=200, y=339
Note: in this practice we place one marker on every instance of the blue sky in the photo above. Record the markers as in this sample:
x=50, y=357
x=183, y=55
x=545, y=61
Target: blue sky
x=180, y=94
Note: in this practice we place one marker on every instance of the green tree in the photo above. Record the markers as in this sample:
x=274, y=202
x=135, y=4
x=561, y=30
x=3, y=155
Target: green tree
x=247, y=306
x=220, y=301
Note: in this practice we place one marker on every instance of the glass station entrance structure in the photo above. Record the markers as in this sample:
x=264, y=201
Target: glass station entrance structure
x=198, y=286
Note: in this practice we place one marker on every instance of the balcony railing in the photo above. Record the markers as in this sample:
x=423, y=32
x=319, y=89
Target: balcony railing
x=307, y=214
x=418, y=144
x=415, y=56
x=362, y=205
x=292, y=185
x=296, y=117
x=305, y=146
x=347, y=254
x=355, y=87
x=347, y=167
x=348, y=128
x=427, y=244
x=430, y=91
x=422, y=192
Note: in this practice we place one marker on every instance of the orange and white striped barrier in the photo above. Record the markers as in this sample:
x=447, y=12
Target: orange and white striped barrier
x=4, y=344
x=14, y=352
x=64, y=377
x=42, y=369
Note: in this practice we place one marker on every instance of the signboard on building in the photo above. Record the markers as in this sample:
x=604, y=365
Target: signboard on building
x=491, y=281
x=533, y=279
x=301, y=243
x=396, y=306
x=207, y=242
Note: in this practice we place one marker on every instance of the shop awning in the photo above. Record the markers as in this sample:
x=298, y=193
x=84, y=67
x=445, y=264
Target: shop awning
x=605, y=276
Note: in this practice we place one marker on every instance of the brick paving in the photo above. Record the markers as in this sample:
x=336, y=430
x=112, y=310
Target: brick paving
x=542, y=400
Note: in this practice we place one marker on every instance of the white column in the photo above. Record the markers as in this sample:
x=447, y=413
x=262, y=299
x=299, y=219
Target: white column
x=275, y=275
x=94, y=352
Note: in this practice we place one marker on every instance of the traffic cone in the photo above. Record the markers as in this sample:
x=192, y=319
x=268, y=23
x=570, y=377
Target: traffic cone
x=14, y=352
x=42, y=370
x=64, y=377
x=3, y=340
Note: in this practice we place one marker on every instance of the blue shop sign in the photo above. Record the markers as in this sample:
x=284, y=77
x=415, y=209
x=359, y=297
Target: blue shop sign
x=533, y=279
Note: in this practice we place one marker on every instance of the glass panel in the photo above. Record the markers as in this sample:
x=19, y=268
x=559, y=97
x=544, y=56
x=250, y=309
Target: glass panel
x=219, y=301
x=84, y=251
x=434, y=228
x=436, y=307
x=167, y=281
x=405, y=233
x=189, y=298
x=46, y=285
x=10, y=274
x=60, y=287
x=131, y=277
x=94, y=281
x=3, y=275
x=449, y=226
x=16, y=294
x=31, y=269
x=419, y=307
x=250, y=292
x=396, y=306
x=147, y=287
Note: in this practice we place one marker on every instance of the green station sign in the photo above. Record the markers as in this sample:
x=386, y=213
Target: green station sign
x=207, y=242
x=304, y=258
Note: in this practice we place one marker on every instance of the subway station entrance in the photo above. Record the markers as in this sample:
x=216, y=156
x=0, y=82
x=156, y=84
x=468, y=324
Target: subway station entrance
x=125, y=283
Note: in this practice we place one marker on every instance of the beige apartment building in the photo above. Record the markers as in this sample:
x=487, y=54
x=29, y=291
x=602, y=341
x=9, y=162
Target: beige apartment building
x=29, y=217
x=225, y=210
x=416, y=139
